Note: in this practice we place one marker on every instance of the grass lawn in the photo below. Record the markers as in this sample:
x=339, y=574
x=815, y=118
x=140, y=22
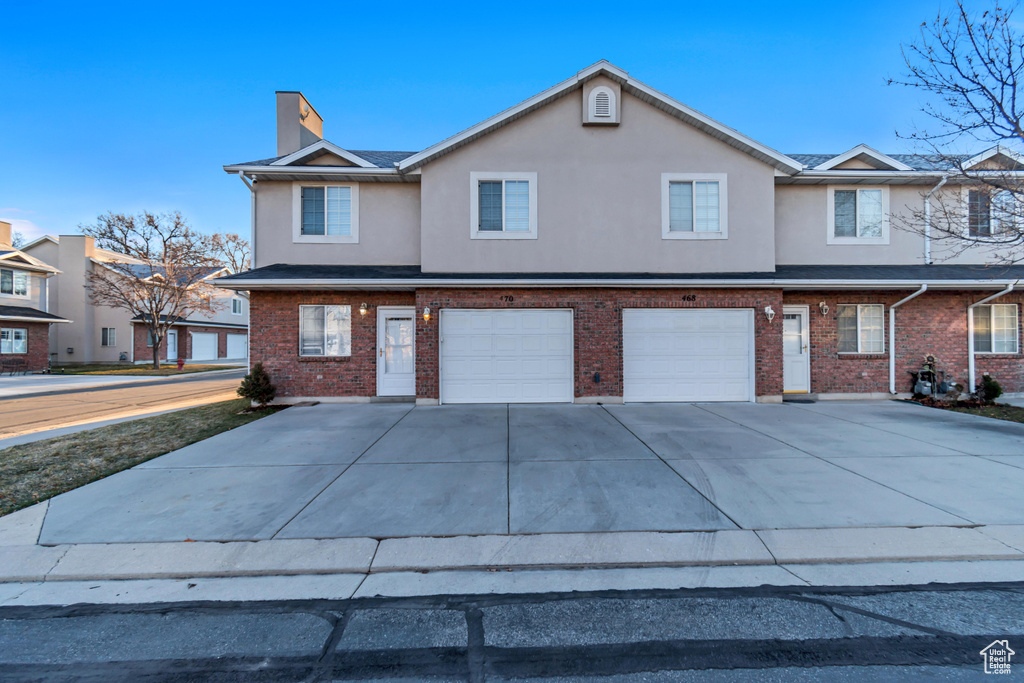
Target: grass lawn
x=999, y=411
x=165, y=369
x=36, y=471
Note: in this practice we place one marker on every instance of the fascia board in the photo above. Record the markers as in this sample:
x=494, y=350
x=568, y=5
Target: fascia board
x=26, y=319
x=311, y=170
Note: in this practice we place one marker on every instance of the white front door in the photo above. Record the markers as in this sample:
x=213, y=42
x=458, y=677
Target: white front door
x=796, y=359
x=172, y=345
x=396, y=351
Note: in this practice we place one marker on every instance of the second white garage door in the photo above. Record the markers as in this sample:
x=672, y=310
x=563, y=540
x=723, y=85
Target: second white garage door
x=238, y=346
x=506, y=356
x=687, y=354
x=204, y=346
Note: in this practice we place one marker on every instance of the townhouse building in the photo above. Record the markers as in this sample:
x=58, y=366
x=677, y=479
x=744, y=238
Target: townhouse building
x=604, y=242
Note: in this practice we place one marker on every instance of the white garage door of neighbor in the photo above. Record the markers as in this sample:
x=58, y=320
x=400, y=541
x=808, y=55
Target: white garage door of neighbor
x=687, y=355
x=506, y=356
x=238, y=346
x=204, y=346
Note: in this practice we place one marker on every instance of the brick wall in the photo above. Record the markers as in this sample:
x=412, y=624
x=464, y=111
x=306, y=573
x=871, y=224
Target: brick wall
x=274, y=341
x=934, y=323
x=598, y=328
x=145, y=353
x=37, y=357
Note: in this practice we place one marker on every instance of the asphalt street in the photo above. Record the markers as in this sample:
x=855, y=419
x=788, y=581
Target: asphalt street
x=52, y=410
x=934, y=632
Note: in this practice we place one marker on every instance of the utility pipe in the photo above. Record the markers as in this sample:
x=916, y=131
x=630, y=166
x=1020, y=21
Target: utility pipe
x=970, y=331
x=892, y=335
x=928, y=220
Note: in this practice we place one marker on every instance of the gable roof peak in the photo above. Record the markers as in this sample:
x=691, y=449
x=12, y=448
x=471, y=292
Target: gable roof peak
x=868, y=155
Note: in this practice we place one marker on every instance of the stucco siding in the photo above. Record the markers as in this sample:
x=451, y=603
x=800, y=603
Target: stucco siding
x=598, y=196
x=389, y=220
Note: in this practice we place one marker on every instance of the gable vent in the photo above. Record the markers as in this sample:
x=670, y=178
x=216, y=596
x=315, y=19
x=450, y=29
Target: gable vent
x=602, y=105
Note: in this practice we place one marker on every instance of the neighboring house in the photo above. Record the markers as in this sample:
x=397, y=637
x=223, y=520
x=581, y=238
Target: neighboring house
x=25, y=317
x=102, y=334
x=602, y=242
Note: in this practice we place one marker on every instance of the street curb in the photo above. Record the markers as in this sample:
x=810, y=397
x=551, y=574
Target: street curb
x=143, y=379
x=731, y=548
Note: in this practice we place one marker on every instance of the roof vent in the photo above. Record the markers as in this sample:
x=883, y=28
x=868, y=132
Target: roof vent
x=601, y=107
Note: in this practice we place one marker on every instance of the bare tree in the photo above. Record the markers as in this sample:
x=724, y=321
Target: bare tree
x=17, y=240
x=163, y=277
x=231, y=251
x=970, y=65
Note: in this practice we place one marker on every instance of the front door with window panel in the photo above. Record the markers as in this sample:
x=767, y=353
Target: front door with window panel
x=796, y=359
x=172, y=345
x=396, y=351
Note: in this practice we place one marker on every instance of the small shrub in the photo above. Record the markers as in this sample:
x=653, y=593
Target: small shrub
x=256, y=386
x=989, y=389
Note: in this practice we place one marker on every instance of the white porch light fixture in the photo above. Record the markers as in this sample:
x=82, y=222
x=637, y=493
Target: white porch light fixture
x=769, y=313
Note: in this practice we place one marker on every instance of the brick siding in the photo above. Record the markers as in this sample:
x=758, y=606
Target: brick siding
x=37, y=358
x=145, y=353
x=934, y=323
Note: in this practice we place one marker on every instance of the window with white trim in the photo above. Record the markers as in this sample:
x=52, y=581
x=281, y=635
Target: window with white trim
x=325, y=330
x=325, y=213
x=995, y=328
x=858, y=215
x=236, y=306
x=13, y=340
x=13, y=282
x=108, y=336
x=503, y=205
x=694, y=206
x=991, y=212
x=861, y=328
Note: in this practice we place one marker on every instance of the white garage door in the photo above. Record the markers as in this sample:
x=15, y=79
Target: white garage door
x=687, y=355
x=204, y=346
x=522, y=356
x=238, y=346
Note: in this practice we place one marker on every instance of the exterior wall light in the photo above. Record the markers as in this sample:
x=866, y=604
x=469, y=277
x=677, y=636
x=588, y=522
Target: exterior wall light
x=363, y=308
x=823, y=307
x=769, y=313
x=426, y=313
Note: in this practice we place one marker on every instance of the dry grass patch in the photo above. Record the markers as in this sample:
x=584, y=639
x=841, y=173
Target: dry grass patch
x=999, y=411
x=37, y=471
x=165, y=369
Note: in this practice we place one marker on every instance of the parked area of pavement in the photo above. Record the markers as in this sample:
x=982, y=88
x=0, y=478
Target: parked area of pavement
x=390, y=470
x=755, y=634
x=394, y=500
x=31, y=407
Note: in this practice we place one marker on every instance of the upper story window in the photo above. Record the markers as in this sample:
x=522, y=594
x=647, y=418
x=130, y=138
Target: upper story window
x=694, y=206
x=325, y=213
x=13, y=340
x=13, y=282
x=858, y=215
x=108, y=337
x=861, y=328
x=990, y=213
x=995, y=328
x=325, y=330
x=236, y=306
x=503, y=205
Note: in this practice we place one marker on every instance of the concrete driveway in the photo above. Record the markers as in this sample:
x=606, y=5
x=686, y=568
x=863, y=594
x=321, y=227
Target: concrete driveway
x=386, y=470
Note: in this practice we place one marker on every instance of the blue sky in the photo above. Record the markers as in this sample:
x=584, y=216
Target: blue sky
x=131, y=107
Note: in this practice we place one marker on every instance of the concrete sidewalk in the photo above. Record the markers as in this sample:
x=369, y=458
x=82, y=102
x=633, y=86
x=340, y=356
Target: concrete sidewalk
x=347, y=567
x=34, y=385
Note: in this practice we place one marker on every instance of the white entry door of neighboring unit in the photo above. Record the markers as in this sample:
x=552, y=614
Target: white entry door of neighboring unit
x=396, y=351
x=238, y=346
x=506, y=356
x=204, y=346
x=796, y=361
x=172, y=345
x=687, y=355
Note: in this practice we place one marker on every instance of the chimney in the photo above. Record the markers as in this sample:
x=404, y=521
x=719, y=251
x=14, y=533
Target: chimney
x=5, y=233
x=298, y=124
